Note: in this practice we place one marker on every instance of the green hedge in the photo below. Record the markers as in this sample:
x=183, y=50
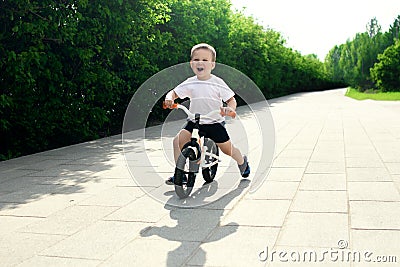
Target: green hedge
x=69, y=68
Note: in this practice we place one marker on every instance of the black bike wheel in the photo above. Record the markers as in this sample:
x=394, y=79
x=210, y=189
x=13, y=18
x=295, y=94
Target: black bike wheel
x=182, y=189
x=210, y=172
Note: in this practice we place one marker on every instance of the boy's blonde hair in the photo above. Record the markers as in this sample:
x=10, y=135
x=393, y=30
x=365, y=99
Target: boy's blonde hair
x=204, y=46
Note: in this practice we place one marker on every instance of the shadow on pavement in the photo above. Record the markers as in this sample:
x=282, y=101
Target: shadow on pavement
x=195, y=225
x=63, y=171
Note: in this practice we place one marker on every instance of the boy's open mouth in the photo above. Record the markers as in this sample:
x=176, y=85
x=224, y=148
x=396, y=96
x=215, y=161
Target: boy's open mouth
x=200, y=68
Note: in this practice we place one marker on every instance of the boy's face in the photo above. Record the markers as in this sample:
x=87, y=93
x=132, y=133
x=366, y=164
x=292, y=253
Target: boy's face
x=202, y=63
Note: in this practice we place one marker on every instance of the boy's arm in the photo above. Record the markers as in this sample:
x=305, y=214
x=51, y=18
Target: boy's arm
x=231, y=102
x=169, y=98
x=231, y=106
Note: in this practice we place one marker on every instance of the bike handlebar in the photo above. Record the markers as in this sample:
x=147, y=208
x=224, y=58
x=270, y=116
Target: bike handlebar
x=231, y=114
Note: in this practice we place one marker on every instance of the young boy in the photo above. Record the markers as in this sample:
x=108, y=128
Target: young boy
x=207, y=92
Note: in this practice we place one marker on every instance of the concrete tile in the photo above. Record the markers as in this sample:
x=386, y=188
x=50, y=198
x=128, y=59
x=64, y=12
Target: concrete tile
x=115, y=196
x=258, y=213
x=325, y=167
x=186, y=225
x=327, y=156
x=290, y=162
x=367, y=174
x=98, y=241
x=17, y=247
x=290, y=153
x=393, y=167
x=44, y=261
x=362, y=149
x=375, y=215
x=320, y=201
x=10, y=224
x=314, y=229
x=325, y=181
x=69, y=220
x=367, y=161
x=153, y=252
x=376, y=243
x=275, y=190
x=40, y=207
x=118, y=171
x=285, y=174
x=11, y=173
x=29, y=193
x=233, y=245
x=379, y=191
x=135, y=211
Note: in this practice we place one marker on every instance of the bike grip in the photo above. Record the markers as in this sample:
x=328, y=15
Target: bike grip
x=175, y=105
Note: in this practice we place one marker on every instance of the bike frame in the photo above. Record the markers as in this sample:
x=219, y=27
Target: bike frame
x=199, y=140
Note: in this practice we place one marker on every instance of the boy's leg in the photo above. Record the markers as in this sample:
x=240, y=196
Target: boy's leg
x=229, y=149
x=179, y=141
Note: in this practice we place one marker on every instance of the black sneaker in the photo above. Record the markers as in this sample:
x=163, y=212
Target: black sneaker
x=170, y=180
x=245, y=172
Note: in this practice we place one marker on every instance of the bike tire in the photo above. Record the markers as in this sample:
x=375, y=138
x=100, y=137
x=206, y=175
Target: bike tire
x=209, y=173
x=181, y=189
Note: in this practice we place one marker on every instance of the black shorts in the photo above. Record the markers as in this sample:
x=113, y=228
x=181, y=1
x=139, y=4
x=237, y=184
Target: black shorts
x=216, y=131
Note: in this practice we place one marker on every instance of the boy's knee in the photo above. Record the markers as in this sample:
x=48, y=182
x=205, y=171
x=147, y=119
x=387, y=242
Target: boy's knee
x=226, y=149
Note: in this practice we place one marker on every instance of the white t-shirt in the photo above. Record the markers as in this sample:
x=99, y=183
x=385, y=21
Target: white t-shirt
x=205, y=96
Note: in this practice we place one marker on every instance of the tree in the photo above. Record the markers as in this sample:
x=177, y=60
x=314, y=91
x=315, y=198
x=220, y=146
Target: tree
x=385, y=73
x=68, y=68
x=373, y=27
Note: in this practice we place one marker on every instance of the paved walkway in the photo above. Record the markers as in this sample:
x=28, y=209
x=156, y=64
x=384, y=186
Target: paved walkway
x=332, y=193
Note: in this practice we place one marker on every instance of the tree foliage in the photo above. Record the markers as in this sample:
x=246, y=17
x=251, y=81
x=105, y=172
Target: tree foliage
x=69, y=68
x=386, y=73
x=352, y=61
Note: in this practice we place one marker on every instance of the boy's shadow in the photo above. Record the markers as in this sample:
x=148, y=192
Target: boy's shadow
x=195, y=225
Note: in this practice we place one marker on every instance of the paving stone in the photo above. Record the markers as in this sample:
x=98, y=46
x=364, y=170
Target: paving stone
x=17, y=247
x=186, y=224
x=153, y=252
x=372, y=246
x=375, y=215
x=275, y=190
x=325, y=167
x=258, y=213
x=136, y=212
x=234, y=245
x=45, y=261
x=326, y=181
x=379, y=191
x=367, y=174
x=320, y=201
x=69, y=220
x=285, y=174
x=314, y=229
x=98, y=241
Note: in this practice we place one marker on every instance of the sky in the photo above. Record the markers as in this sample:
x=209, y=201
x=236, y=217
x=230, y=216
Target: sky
x=316, y=26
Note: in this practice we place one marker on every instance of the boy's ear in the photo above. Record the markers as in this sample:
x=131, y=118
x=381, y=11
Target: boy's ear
x=212, y=65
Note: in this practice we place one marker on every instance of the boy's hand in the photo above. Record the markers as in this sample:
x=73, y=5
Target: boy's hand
x=227, y=111
x=168, y=103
